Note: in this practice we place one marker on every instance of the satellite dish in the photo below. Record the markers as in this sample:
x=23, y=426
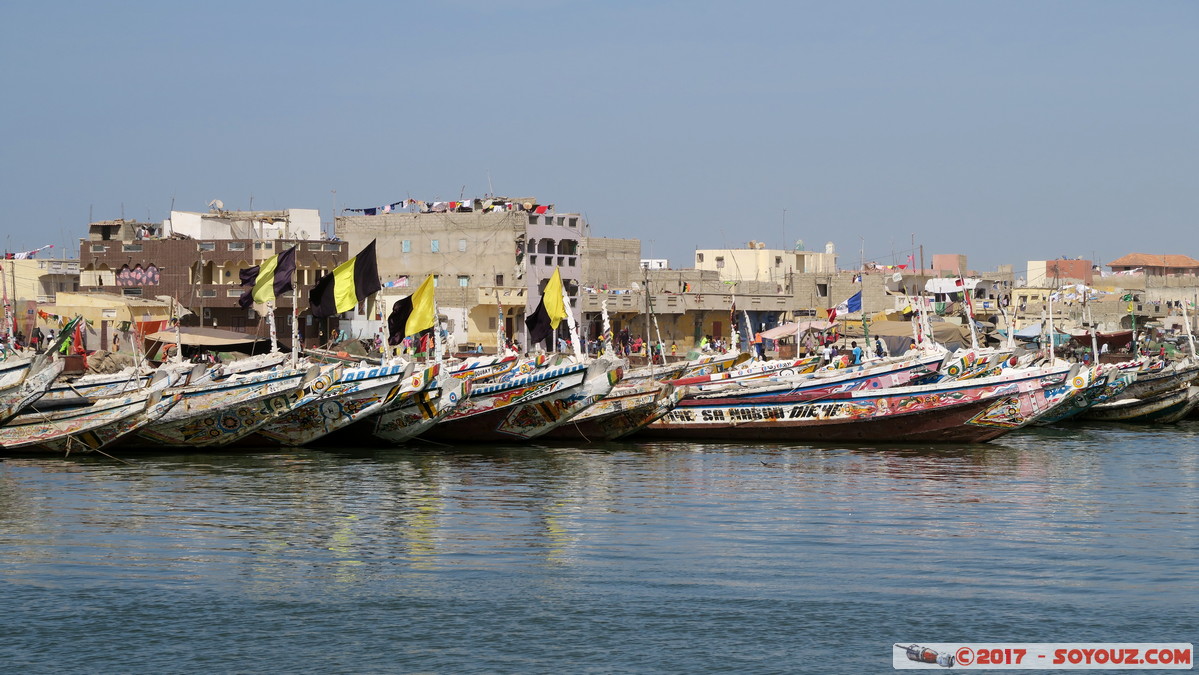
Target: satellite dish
x=897, y=277
x=829, y=249
x=217, y=204
x=799, y=244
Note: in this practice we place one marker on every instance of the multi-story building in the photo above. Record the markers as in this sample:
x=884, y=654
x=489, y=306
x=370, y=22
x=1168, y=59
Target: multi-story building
x=1154, y=265
x=40, y=280
x=196, y=259
x=489, y=256
x=1054, y=273
x=755, y=262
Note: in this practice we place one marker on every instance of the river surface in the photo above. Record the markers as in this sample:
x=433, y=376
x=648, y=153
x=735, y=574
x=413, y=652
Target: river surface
x=630, y=557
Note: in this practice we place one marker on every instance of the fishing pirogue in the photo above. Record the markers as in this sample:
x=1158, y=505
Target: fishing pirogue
x=306, y=398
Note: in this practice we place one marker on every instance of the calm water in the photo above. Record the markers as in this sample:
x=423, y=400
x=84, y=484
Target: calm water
x=621, y=558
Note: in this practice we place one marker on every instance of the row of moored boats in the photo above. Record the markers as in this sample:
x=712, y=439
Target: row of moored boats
x=281, y=400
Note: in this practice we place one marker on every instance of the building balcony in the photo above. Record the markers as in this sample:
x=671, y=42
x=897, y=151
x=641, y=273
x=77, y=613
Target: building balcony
x=681, y=303
x=509, y=296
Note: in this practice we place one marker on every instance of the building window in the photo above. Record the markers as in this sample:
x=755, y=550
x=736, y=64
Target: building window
x=463, y=280
x=314, y=247
x=236, y=245
x=206, y=246
x=333, y=247
x=491, y=323
x=131, y=248
x=98, y=248
x=233, y=293
x=258, y=245
x=269, y=245
x=699, y=257
x=406, y=246
x=822, y=290
x=573, y=222
x=131, y=291
x=499, y=280
x=461, y=245
x=434, y=246
x=778, y=261
x=719, y=263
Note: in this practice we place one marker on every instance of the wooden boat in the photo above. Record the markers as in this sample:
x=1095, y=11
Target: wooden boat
x=1157, y=377
x=624, y=411
x=524, y=407
x=13, y=371
x=65, y=393
x=217, y=414
x=705, y=364
x=971, y=412
x=751, y=370
x=1165, y=408
x=900, y=371
x=355, y=395
x=1088, y=389
x=414, y=413
x=86, y=428
x=37, y=379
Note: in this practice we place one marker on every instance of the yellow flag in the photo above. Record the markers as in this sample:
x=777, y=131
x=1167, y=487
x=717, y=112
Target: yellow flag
x=264, y=285
x=552, y=297
x=422, y=316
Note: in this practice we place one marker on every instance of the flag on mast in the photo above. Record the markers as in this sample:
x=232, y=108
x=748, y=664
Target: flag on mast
x=549, y=313
x=412, y=314
x=350, y=283
x=268, y=280
x=853, y=304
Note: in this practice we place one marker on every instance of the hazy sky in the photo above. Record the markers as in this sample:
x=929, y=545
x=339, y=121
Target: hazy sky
x=1005, y=130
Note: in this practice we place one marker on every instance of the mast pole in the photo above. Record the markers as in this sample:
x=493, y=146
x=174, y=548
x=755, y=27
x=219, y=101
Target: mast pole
x=570, y=324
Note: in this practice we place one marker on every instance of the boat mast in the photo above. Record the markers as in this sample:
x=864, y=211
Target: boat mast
x=969, y=311
x=648, y=352
x=570, y=324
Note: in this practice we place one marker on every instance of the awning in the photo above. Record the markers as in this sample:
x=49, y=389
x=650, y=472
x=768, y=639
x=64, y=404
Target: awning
x=214, y=338
x=793, y=328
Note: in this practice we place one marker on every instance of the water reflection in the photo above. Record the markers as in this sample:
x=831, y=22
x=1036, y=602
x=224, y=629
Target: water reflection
x=286, y=520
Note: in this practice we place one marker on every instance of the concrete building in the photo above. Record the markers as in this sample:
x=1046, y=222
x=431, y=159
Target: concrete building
x=1156, y=265
x=112, y=319
x=755, y=262
x=1053, y=273
x=489, y=255
x=40, y=280
x=148, y=260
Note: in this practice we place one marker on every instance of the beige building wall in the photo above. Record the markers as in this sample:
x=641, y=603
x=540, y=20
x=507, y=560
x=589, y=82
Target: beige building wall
x=763, y=264
x=40, y=280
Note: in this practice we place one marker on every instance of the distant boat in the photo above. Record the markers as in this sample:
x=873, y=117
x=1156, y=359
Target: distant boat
x=1164, y=408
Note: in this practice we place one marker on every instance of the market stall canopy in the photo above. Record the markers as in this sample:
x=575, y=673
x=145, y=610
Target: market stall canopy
x=793, y=328
x=213, y=339
x=943, y=331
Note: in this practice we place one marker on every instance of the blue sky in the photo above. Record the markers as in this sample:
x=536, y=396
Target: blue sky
x=1005, y=130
